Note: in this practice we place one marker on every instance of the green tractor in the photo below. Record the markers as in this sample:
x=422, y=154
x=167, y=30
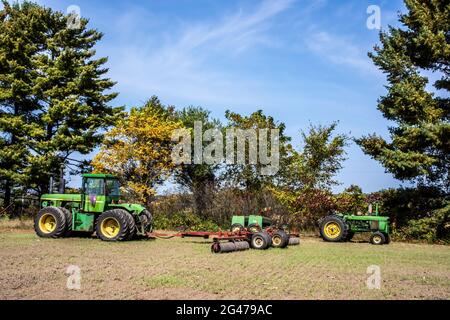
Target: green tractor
x=342, y=227
x=253, y=223
x=97, y=209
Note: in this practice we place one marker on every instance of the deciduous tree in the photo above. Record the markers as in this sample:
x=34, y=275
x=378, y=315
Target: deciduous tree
x=138, y=149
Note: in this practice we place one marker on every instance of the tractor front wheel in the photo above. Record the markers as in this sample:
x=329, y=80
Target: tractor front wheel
x=113, y=225
x=333, y=228
x=377, y=238
x=50, y=222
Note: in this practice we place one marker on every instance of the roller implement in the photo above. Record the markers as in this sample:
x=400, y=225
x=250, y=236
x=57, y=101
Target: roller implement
x=342, y=227
x=242, y=238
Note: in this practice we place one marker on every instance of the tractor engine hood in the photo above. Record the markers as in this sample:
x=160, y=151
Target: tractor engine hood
x=129, y=207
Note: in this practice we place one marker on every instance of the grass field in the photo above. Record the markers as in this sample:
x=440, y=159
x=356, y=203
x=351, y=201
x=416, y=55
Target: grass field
x=35, y=268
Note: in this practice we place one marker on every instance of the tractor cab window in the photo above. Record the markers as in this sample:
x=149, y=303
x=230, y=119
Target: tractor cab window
x=94, y=186
x=112, y=187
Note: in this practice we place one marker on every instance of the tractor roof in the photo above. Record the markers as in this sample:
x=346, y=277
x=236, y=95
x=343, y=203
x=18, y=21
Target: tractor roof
x=98, y=175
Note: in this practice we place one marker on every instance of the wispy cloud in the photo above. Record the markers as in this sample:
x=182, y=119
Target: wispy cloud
x=340, y=51
x=183, y=63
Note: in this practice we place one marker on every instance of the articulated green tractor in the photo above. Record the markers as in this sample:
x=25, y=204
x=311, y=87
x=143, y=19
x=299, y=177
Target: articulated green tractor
x=97, y=209
x=342, y=227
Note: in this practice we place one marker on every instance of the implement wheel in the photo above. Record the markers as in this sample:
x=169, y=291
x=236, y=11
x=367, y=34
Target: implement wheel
x=280, y=239
x=113, y=225
x=260, y=241
x=333, y=228
x=50, y=222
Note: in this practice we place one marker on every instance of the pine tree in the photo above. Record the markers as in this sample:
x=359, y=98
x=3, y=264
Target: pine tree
x=20, y=43
x=419, y=149
x=55, y=88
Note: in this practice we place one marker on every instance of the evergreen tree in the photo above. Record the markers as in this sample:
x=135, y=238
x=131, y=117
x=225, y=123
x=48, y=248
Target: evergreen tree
x=54, y=87
x=419, y=149
x=21, y=29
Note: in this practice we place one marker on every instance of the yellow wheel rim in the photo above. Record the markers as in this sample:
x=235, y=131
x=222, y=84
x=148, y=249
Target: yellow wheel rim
x=259, y=242
x=110, y=227
x=47, y=223
x=377, y=239
x=332, y=230
x=276, y=240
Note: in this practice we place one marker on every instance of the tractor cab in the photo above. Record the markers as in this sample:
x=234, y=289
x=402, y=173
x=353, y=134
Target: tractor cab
x=99, y=191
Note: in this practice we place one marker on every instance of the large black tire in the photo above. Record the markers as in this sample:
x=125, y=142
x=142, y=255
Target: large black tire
x=50, y=222
x=377, y=238
x=68, y=215
x=260, y=241
x=333, y=228
x=146, y=220
x=280, y=239
x=132, y=230
x=113, y=225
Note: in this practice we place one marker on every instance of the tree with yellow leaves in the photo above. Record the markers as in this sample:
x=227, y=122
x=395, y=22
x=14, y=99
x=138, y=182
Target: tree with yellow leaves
x=138, y=149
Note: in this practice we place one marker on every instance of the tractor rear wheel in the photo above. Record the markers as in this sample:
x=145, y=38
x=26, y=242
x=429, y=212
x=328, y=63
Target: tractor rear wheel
x=377, y=238
x=280, y=239
x=131, y=226
x=146, y=221
x=50, y=222
x=333, y=228
x=68, y=215
x=260, y=241
x=113, y=225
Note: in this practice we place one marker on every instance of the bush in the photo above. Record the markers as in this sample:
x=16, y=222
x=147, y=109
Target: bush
x=432, y=229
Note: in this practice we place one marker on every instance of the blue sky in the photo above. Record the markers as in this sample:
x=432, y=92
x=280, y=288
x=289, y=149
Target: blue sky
x=301, y=61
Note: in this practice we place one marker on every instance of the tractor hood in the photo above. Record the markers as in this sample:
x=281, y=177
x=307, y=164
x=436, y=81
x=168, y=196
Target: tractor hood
x=61, y=197
x=137, y=208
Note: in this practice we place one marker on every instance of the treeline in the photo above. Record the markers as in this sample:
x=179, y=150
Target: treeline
x=55, y=100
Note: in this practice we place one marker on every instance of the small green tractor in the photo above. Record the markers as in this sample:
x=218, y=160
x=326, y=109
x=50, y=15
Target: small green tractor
x=253, y=223
x=342, y=227
x=97, y=209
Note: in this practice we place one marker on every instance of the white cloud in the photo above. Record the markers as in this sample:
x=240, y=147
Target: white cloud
x=340, y=51
x=182, y=64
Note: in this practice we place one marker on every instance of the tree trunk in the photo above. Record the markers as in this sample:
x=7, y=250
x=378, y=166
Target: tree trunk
x=7, y=200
